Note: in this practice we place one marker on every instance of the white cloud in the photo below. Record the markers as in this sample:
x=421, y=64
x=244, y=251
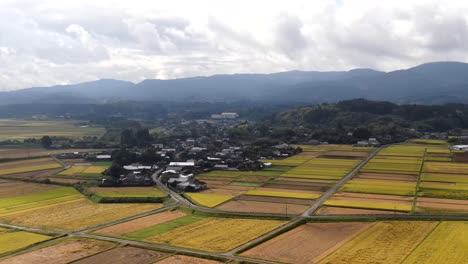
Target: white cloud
x=51, y=42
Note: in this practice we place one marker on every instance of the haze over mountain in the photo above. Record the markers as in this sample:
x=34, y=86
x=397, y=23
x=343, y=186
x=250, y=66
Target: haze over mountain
x=437, y=82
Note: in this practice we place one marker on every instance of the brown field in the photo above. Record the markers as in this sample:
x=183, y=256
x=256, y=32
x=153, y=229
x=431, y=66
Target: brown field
x=263, y=207
x=67, y=181
x=34, y=175
x=328, y=210
x=383, y=176
x=254, y=178
x=304, y=180
x=179, y=259
x=24, y=153
x=441, y=205
x=10, y=189
x=62, y=253
x=22, y=163
x=140, y=223
x=295, y=187
x=379, y=197
x=124, y=255
x=308, y=243
x=269, y=199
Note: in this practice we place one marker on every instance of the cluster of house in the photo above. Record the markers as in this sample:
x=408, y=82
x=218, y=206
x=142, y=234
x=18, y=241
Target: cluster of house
x=371, y=142
x=181, y=177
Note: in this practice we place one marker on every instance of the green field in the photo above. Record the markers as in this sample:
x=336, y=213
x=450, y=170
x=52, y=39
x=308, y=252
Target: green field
x=164, y=227
x=21, y=129
x=15, y=240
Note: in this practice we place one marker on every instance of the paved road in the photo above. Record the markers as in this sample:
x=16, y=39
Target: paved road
x=337, y=186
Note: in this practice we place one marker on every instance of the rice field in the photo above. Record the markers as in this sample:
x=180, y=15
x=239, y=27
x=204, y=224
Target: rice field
x=447, y=244
x=369, y=204
x=380, y=187
x=384, y=242
x=21, y=129
x=14, y=240
x=29, y=165
x=283, y=194
x=216, y=234
x=124, y=192
x=83, y=171
x=209, y=200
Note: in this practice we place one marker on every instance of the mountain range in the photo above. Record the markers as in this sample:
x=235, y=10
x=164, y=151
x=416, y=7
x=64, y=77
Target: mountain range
x=430, y=83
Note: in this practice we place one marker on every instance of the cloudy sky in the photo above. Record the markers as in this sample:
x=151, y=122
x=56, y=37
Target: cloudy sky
x=47, y=42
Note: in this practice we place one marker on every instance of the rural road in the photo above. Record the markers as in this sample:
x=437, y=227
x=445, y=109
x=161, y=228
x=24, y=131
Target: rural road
x=337, y=186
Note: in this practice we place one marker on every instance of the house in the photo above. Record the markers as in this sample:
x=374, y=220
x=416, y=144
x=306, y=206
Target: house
x=220, y=167
x=186, y=183
x=103, y=157
x=182, y=164
x=459, y=147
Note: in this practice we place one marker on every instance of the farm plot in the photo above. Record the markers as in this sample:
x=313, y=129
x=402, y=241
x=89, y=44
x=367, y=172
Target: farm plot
x=380, y=187
x=14, y=240
x=209, y=200
x=437, y=205
x=9, y=189
x=403, y=150
x=62, y=253
x=445, y=167
x=332, y=147
x=293, y=161
x=14, y=153
x=283, y=193
x=140, y=223
x=21, y=129
x=447, y=244
x=322, y=168
x=444, y=180
x=371, y=201
x=74, y=214
x=15, y=167
x=330, y=210
x=263, y=207
x=124, y=255
x=216, y=234
x=384, y=242
x=307, y=243
x=87, y=171
x=179, y=259
x=128, y=192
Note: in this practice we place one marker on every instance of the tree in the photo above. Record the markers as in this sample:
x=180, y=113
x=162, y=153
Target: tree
x=116, y=170
x=46, y=141
x=362, y=133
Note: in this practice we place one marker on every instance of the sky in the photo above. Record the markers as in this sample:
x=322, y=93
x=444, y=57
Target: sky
x=49, y=42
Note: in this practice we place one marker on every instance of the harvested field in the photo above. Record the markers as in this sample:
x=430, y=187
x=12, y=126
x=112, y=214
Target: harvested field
x=305, y=180
x=179, y=259
x=74, y=214
x=263, y=207
x=254, y=179
x=447, y=244
x=209, y=200
x=140, y=223
x=269, y=199
x=216, y=234
x=384, y=242
x=124, y=255
x=380, y=187
x=383, y=176
x=345, y=154
x=307, y=243
x=30, y=153
x=34, y=175
x=15, y=167
x=370, y=196
x=62, y=253
x=327, y=210
x=15, y=240
x=283, y=193
x=296, y=187
x=437, y=205
x=9, y=189
x=440, y=177
x=445, y=167
x=128, y=192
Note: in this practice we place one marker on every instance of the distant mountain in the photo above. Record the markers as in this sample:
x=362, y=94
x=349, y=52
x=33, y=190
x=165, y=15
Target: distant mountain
x=437, y=82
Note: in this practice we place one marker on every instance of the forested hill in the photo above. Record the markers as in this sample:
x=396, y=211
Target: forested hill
x=363, y=118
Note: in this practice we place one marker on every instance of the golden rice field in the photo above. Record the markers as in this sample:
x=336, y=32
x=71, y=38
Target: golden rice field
x=429, y=141
x=29, y=165
x=30, y=168
x=370, y=204
x=447, y=244
x=80, y=170
x=284, y=194
x=445, y=167
x=441, y=177
x=384, y=242
x=380, y=187
x=209, y=199
x=14, y=240
x=128, y=192
x=74, y=215
x=216, y=234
